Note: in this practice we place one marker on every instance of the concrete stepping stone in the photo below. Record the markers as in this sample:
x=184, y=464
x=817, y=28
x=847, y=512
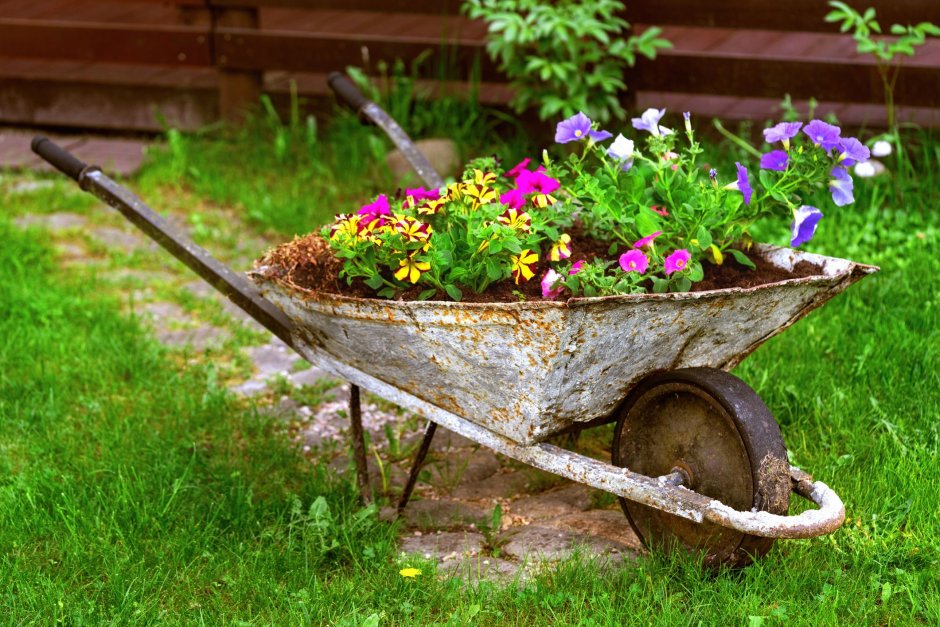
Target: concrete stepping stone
x=198, y=339
x=566, y=499
x=444, y=546
x=54, y=222
x=499, y=486
x=537, y=543
x=451, y=471
x=608, y=524
x=443, y=514
x=126, y=241
x=273, y=358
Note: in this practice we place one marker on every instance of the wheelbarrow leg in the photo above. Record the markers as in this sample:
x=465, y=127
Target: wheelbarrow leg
x=417, y=464
x=359, y=444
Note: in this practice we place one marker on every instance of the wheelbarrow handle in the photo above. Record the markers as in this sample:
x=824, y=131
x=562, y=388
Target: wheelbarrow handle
x=58, y=157
x=346, y=91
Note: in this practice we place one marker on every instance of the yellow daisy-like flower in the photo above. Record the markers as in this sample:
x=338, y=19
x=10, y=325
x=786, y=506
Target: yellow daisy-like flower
x=560, y=249
x=522, y=265
x=432, y=206
x=412, y=229
x=411, y=269
x=411, y=573
x=454, y=192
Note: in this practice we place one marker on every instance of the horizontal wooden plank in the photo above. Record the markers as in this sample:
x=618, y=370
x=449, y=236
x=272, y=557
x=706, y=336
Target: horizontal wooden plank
x=103, y=42
x=245, y=49
x=772, y=78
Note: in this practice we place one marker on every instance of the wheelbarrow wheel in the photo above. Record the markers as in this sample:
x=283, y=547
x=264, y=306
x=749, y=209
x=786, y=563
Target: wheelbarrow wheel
x=719, y=435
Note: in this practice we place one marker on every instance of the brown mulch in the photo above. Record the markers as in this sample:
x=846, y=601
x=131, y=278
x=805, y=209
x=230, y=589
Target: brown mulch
x=308, y=262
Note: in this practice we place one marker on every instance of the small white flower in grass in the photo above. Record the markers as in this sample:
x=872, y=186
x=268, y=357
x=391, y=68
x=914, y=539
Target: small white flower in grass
x=881, y=148
x=868, y=169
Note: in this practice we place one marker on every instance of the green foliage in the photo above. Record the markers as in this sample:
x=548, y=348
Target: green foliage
x=887, y=52
x=565, y=56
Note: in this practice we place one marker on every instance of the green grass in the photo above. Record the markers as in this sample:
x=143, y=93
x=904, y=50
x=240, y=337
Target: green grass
x=133, y=491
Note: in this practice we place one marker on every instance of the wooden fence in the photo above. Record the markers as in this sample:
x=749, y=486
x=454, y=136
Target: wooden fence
x=137, y=64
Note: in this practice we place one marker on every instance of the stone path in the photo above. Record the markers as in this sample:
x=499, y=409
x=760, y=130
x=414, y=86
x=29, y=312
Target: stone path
x=477, y=514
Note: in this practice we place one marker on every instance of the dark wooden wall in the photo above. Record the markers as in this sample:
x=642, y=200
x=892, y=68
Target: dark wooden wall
x=139, y=64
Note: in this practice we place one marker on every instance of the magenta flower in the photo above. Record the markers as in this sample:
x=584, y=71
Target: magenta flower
x=536, y=183
x=677, y=261
x=514, y=198
x=822, y=134
x=841, y=186
x=377, y=208
x=419, y=194
x=804, y=224
x=519, y=168
x=783, y=132
x=576, y=128
x=576, y=267
x=634, y=261
x=649, y=121
x=775, y=160
x=852, y=151
x=548, y=281
x=646, y=241
x=744, y=186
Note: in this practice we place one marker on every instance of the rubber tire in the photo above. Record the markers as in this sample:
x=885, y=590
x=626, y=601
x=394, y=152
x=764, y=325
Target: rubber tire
x=641, y=443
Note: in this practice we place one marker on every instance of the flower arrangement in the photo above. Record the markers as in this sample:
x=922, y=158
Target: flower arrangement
x=656, y=212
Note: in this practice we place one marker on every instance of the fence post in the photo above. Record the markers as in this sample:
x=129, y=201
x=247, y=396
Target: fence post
x=239, y=90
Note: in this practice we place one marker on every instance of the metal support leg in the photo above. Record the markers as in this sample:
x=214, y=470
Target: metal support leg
x=359, y=444
x=417, y=464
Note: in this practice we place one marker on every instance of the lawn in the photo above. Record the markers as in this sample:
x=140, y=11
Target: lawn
x=135, y=489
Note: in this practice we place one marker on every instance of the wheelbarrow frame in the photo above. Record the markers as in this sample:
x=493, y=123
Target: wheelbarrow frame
x=665, y=493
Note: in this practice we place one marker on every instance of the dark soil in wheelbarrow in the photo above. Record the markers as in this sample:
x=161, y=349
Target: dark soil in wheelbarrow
x=308, y=263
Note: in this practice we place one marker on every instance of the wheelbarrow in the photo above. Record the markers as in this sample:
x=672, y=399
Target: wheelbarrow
x=698, y=461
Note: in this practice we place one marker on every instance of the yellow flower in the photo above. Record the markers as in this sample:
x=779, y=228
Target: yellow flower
x=561, y=249
x=522, y=265
x=411, y=269
x=409, y=572
x=483, y=178
x=480, y=194
x=516, y=220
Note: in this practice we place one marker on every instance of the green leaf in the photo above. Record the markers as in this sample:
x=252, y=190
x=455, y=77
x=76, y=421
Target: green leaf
x=683, y=285
x=493, y=271
x=647, y=221
x=426, y=294
x=704, y=239
x=660, y=286
x=386, y=292
x=453, y=291
x=696, y=273
x=374, y=281
x=897, y=29
x=741, y=258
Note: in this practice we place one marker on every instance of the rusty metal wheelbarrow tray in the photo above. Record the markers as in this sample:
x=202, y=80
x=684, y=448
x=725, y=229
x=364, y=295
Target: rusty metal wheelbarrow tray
x=527, y=370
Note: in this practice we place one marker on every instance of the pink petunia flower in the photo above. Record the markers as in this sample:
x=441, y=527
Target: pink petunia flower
x=514, y=199
x=536, y=183
x=519, y=168
x=551, y=277
x=634, y=261
x=576, y=267
x=646, y=241
x=677, y=261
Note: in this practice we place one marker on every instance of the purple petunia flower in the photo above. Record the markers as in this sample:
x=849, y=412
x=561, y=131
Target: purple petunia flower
x=649, y=121
x=775, y=160
x=634, y=261
x=804, y=224
x=677, y=261
x=822, y=134
x=852, y=151
x=841, y=186
x=576, y=128
x=621, y=151
x=744, y=186
x=783, y=132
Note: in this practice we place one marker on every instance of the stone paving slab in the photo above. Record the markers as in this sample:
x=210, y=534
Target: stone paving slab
x=445, y=546
x=116, y=155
